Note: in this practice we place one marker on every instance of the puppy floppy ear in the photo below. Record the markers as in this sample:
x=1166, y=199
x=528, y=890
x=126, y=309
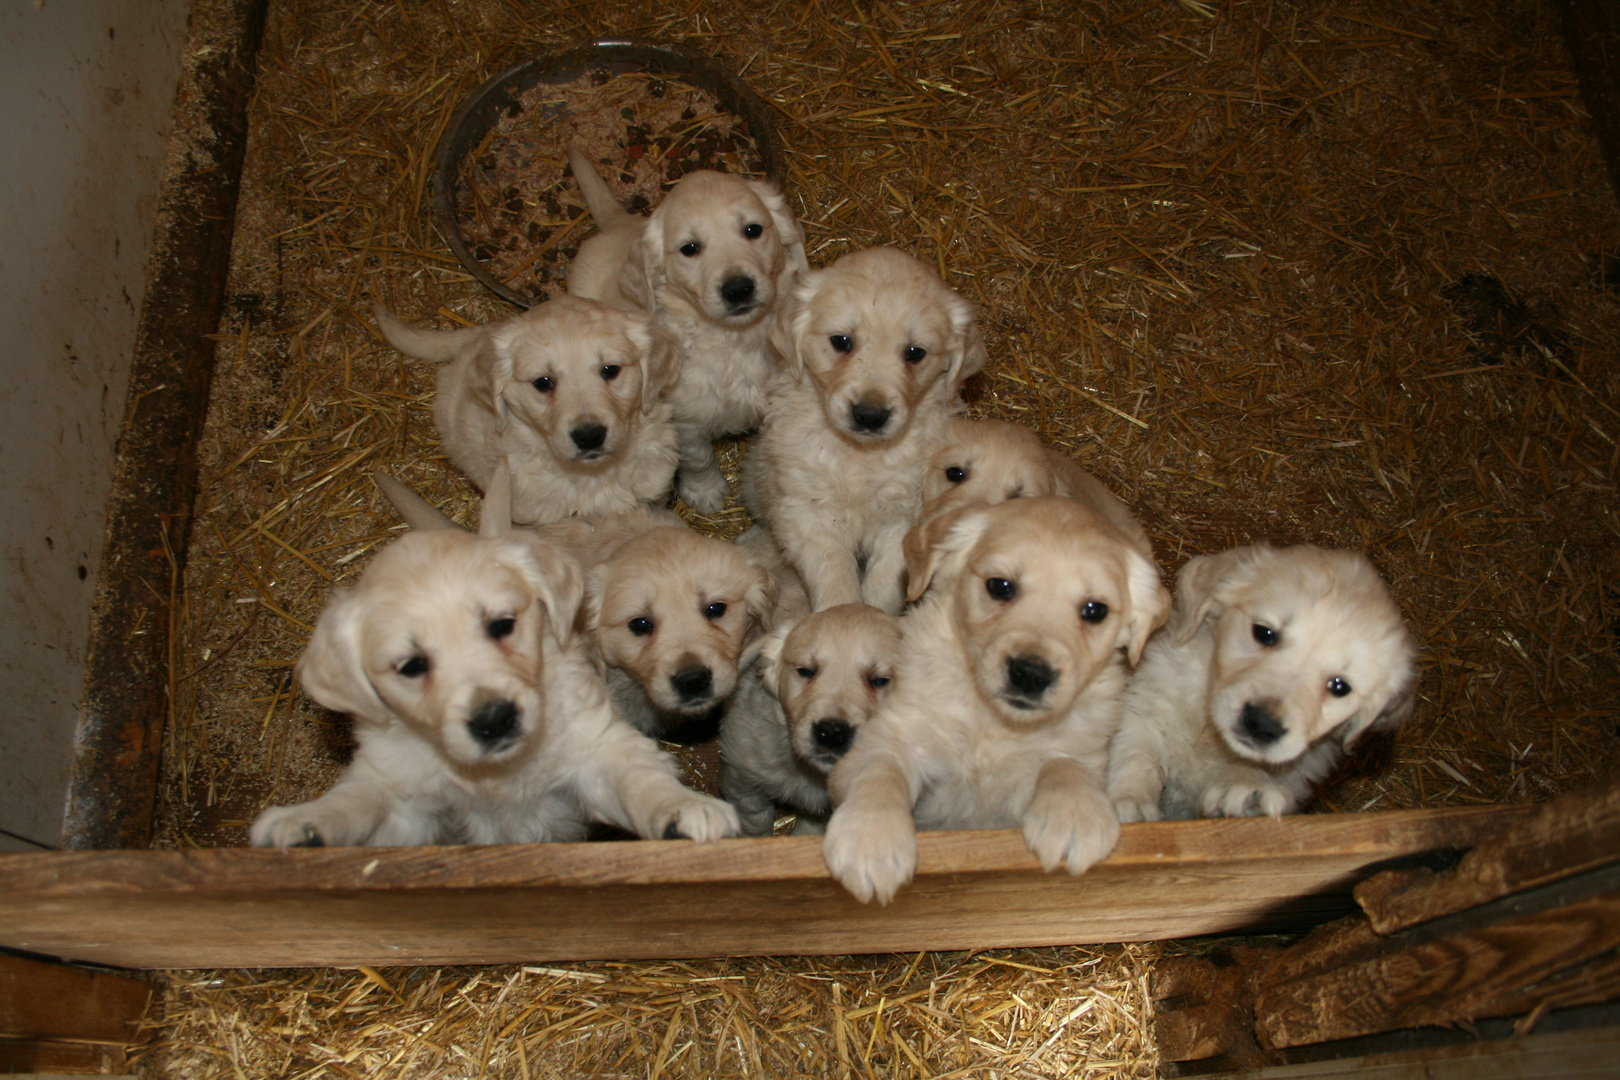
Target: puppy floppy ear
x=643, y=276
x=759, y=598
x=1205, y=585
x=1389, y=710
x=967, y=353
x=1150, y=603
x=928, y=545
x=766, y=651
x=590, y=612
x=660, y=360
x=495, y=513
x=494, y=367
x=788, y=231
x=330, y=669
x=554, y=577
x=790, y=321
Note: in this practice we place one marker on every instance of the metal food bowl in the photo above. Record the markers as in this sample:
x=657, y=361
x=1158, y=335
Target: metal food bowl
x=611, y=56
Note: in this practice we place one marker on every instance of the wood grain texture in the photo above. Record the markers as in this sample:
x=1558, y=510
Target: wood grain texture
x=1489, y=971
x=53, y=1001
x=41, y=1057
x=653, y=899
x=1569, y=836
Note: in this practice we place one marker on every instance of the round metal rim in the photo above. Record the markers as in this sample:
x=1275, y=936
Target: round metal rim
x=483, y=107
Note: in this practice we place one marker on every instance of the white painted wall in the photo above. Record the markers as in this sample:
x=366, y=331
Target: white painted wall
x=86, y=95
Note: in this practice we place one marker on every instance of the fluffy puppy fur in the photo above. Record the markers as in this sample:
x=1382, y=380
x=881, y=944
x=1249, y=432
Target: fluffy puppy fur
x=1275, y=661
x=478, y=716
x=568, y=393
x=1007, y=691
x=669, y=612
x=818, y=680
x=991, y=461
x=875, y=350
x=709, y=266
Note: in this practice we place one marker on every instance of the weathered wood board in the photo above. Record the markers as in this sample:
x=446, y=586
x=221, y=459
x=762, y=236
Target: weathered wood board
x=652, y=899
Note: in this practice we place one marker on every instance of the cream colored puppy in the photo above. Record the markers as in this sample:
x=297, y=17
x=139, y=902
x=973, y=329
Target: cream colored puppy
x=568, y=393
x=478, y=716
x=991, y=461
x=1007, y=691
x=709, y=266
x=876, y=349
x=1274, y=662
x=669, y=612
x=816, y=683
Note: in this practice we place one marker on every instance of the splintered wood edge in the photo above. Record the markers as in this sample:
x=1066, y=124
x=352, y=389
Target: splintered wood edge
x=1364, y=838
x=1570, y=835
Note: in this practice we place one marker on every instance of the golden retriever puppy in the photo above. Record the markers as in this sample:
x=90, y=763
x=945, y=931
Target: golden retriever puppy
x=669, y=612
x=709, y=266
x=478, y=716
x=1274, y=662
x=817, y=681
x=991, y=461
x=876, y=348
x=567, y=392
x=1007, y=691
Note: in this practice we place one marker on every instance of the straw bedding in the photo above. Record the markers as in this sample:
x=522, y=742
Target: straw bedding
x=1309, y=272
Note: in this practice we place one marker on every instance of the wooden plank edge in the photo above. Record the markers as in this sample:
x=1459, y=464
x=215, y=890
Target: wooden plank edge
x=1372, y=837
x=48, y=1001
x=1573, y=834
x=665, y=900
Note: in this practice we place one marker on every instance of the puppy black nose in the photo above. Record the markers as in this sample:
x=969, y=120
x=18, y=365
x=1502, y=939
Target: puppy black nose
x=868, y=417
x=834, y=735
x=693, y=683
x=494, y=721
x=737, y=290
x=589, y=436
x=1029, y=675
x=1258, y=726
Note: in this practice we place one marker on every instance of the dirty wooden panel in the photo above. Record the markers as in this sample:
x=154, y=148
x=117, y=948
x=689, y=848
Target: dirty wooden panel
x=642, y=899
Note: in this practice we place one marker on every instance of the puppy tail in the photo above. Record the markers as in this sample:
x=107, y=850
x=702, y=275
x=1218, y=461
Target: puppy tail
x=598, y=196
x=438, y=346
x=417, y=511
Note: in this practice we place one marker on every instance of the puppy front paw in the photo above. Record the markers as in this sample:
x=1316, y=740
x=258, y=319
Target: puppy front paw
x=703, y=819
x=1070, y=827
x=704, y=490
x=1246, y=798
x=1129, y=809
x=303, y=825
x=871, y=852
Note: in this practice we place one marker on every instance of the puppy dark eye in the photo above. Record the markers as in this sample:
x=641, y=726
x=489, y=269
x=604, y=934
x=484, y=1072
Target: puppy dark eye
x=956, y=474
x=714, y=610
x=1338, y=687
x=1265, y=635
x=877, y=682
x=753, y=230
x=691, y=248
x=1093, y=611
x=544, y=384
x=500, y=628
x=416, y=665
x=915, y=353
x=610, y=372
x=1000, y=588
x=640, y=626
x=841, y=343
x=805, y=672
